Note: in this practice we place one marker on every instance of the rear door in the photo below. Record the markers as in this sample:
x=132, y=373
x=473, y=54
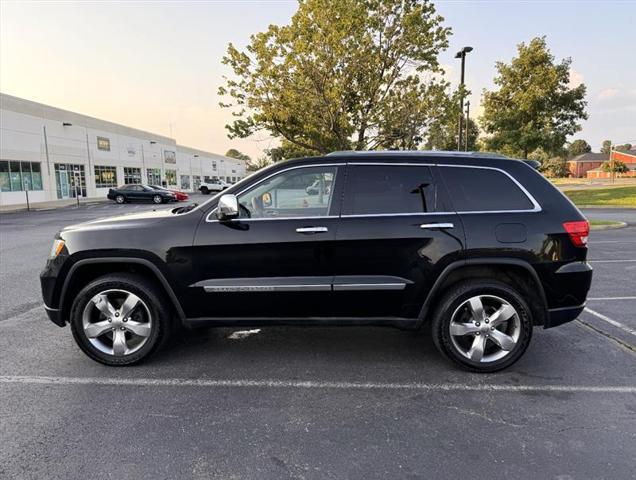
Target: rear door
x=396, y=234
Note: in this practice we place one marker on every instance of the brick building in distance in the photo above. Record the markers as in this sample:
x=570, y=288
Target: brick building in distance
x=627, y=157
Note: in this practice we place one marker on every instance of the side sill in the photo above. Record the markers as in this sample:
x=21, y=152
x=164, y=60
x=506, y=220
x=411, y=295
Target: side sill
x=395, y=322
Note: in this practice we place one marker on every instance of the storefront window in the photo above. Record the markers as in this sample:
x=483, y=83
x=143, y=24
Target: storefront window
x=18, y=176
x=132, y=175
x=105, y=176
x=185, y=182
x=70, y=180
x=171, y=177
x=196, y=182
x=154, y=176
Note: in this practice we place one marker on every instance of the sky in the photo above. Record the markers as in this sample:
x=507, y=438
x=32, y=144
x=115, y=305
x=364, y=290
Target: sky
x=156, y=66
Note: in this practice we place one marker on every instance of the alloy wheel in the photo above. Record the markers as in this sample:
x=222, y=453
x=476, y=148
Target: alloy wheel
x=485, y=328
x=117, y=322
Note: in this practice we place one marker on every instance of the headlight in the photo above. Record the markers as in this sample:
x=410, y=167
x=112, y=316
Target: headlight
x=56, y=249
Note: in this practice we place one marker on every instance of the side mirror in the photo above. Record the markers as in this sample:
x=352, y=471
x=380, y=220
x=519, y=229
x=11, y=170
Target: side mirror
x=227, y=208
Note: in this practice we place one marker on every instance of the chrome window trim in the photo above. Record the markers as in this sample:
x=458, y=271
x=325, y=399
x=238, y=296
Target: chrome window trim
x=536, y=206
x=349, y=287
x=254, y=185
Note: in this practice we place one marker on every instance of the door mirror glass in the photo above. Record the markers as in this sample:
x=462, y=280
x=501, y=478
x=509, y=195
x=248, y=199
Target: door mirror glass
x=227, y=208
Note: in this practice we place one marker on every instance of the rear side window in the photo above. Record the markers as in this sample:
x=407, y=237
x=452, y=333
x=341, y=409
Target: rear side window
x=483, y=190
x=386, y=189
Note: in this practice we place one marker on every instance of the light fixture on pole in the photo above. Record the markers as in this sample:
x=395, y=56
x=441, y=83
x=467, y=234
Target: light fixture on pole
x=462, y=55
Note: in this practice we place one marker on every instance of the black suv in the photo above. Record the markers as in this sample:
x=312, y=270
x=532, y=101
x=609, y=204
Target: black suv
x=477, y=247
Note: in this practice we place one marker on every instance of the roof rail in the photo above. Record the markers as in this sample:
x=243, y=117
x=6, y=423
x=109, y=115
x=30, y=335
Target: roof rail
x=414, y=153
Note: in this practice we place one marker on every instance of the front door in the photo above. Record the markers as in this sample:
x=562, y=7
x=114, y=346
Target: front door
x=396, y=234
x=275, y=260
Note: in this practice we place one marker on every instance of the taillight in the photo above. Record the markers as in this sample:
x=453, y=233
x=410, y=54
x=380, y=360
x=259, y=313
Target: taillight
x=578, y=231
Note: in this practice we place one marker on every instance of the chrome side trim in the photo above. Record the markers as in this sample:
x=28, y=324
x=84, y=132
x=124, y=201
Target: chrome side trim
x=312, y=229
x=267, y=288
x=207, y=218
x=347, y=287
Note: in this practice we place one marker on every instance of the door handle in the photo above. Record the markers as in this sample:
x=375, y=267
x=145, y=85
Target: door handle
x=437, y=225
x=312, y=230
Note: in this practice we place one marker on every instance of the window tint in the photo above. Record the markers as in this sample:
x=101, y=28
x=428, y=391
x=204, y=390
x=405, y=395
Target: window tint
x=483, y=190
x=389, y=189
x=301, y=192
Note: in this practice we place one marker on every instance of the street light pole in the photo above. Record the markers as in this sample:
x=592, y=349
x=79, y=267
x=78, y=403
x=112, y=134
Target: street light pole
x=462, y=55
x=467, y=124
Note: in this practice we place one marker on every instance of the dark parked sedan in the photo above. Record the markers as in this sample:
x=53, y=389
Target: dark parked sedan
x=140, y=193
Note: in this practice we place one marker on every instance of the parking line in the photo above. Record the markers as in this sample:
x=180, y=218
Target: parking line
x=309, y=384
x=610, y=298
x=610, y=321
x=610, y=261
x=612, y=241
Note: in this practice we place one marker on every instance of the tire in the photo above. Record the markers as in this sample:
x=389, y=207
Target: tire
x=475, y=333
x=120, y=199
x=205, y=190
x=151, y=317
x=157, y=199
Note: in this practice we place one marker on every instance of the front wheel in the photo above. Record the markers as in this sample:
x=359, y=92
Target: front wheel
x=119, y=319
x=483, y=326
x=120, y=199
x=157, y=199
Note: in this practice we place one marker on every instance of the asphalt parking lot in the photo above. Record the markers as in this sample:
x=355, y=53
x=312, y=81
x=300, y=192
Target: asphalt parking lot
x=310, y=402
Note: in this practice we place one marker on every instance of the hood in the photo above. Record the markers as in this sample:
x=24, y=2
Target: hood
x=128, y=220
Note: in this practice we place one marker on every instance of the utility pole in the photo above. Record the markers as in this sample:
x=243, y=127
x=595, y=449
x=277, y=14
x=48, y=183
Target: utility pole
x=467, y=124
x=462, y=55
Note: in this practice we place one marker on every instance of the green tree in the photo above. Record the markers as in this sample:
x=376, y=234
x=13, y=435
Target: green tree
x=578, y=147
x=534, y=105
x=261, y=162
x=607, y=146
x=347, y=74
x=555, y=167
x=615, y=166
x=234, y=153
x=624, y=148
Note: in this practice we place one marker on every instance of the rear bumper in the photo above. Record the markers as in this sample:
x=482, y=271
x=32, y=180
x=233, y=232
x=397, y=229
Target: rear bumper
x=55, y=315
x=559, y=316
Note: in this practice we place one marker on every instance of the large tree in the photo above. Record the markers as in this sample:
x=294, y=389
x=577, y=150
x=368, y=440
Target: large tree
x=534, y=105
x=234, y=153
x=344, y=74
x=578, y=147
x=607, y=146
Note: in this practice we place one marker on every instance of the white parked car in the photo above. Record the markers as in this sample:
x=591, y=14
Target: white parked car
x=214, y=185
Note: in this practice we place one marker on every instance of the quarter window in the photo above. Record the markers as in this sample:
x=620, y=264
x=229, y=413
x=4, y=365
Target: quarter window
x=483, y=190
x=105, y=176
x=389, y=189
x=300, y=192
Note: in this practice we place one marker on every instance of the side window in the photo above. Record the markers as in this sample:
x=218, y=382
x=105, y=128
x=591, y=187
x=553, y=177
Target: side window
x=386, y=189
x=300, y=192
x=483, y=190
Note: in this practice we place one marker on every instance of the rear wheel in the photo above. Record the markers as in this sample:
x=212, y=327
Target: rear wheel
x=205, y=190
x=119, y=319
x=120, y=199
x=484, y=326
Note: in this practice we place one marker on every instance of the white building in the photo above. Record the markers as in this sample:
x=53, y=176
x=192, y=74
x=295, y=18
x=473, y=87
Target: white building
x=56, y=154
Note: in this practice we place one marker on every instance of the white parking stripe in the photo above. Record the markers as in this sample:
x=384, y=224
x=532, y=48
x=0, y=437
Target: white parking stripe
x=309, y=384
x=610, y=261
x=610, y=298
x=612, y=241
x=610, y=321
